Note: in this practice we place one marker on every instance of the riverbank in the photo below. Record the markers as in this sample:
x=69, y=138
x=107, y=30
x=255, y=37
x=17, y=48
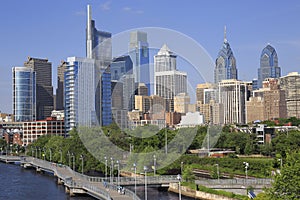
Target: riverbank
x=27, y=184
x=186, y=191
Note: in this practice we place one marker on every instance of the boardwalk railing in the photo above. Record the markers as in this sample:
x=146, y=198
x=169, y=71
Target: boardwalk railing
x=234, y=183
x=82, y=181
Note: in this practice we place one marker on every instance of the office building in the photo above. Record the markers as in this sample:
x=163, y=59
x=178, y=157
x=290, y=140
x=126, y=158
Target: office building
x=106, y=99
x=139, y=53
x=225, y=63
x=291, y=85
x=168, y=82
x=141, y=89
x=99, y=48
x=34, y=129
x=82, y=94
x=120, y=66
x=233, y=95
x=98, y=43
x=60, y=86
x=268, y=65
x=181, y=103
x=44, y=89
x=24, y=94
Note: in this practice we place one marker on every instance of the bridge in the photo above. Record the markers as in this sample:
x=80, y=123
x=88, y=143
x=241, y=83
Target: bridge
x=74, y=182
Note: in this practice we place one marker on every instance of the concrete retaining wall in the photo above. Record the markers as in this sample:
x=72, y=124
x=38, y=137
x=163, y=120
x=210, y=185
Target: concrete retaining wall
x=173, y=187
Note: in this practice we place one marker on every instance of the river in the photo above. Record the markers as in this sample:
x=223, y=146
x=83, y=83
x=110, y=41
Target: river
x=17, y=183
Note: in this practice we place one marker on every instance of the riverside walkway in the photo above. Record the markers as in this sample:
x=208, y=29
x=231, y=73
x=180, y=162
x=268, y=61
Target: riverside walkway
x=10, y=159
x=76, y=183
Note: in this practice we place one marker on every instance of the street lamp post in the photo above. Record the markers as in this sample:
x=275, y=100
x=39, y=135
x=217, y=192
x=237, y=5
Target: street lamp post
x=145, y=170
x=181, y=167
x=73, y=158
x=118, y=164
x=134, y=165
x=111, y=170
x=36, y=149
x=44, y=154
x=105, y=168
x=246, y=168
x=218, y=171
x=179, y=186
x=154, y=163
x=280, y=159
x=69, y=158
x=60, y=151
x=50, y=154
x=81, y=157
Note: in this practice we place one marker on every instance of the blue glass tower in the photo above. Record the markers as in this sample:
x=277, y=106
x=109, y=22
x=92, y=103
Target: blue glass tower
x=120, y=66
x=81, y=88
x=139, y=53
x=106, y=101
x=24, y=94
x=225, y=63
x=99, y=48
x=268, y=65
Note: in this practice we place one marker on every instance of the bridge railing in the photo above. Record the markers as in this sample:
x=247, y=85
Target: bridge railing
x=84, y=179
x=234, y=182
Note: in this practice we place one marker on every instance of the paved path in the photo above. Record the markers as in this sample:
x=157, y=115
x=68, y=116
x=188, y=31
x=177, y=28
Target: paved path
x=74, y=179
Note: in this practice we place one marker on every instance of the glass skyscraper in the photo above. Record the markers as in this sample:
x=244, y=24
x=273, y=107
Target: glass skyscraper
x=99, y=48
x=82, y=96
x=268, y=65
x=24, y=94
x=106, y=118
x=139, y=53
x=225, y=63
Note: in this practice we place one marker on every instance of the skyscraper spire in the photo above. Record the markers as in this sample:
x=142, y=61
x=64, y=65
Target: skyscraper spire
x=89, y=33
x=225, y=39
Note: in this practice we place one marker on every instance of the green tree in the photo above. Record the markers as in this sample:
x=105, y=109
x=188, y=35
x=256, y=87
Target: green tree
x=188, y=175
x=287, y=184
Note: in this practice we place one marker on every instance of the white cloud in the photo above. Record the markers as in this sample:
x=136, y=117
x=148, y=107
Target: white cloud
x=133, y=11
x=105, y=5
x=127, y=9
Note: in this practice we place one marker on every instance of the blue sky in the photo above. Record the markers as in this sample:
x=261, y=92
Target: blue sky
x=56, y=30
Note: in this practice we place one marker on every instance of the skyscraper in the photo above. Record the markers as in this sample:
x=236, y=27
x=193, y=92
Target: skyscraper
x=225, y=63
x=24, y=94
x=291, y=85
x=82, y=95
x=233, y=96
x=60, y=86
x=120, y=65
x=98, y=43
x=44, y=89
x=99, y=48
x=106, y=101
x=168, y=82
x=139, y=53
x=268, y=65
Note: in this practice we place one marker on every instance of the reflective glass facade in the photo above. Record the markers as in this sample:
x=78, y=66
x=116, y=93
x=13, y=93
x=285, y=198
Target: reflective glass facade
x=225, y=64
x=24, y=94
x=139, y=53
x=81, y=93
x=106, y=114
x=268, y=65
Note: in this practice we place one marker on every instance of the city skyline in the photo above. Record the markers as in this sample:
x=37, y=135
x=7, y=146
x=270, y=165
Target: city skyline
x=30, y=30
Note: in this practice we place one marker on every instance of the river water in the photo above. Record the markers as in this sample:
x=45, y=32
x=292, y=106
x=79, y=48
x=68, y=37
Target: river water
x=17, y=183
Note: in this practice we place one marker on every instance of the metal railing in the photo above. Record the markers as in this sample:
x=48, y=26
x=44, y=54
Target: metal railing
x=84, y=181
